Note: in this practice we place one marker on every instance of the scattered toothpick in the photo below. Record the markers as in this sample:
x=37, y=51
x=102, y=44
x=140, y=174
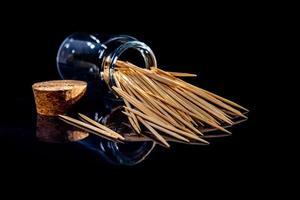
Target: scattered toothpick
x=167, y=105
x=158, y=103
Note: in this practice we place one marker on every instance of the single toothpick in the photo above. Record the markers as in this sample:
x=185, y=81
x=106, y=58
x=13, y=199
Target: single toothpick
x=172, y=74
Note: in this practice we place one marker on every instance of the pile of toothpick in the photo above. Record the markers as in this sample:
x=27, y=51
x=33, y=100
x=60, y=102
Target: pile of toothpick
x=160, y=103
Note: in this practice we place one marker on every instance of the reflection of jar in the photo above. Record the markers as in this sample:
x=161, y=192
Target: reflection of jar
x=132, y=152
x=85, y=57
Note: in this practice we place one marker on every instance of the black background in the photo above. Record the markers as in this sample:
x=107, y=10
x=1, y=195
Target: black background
x=226, y=48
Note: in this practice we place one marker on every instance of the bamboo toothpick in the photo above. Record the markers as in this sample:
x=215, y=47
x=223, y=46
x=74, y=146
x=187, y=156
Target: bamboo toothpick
x=133, y=121
x=173, y=74
x=90, y=128
x=155, y=133
x=208, y=95
x=183, y=133
x=205, y=105
x=93, y=122
x=161, y=128
x=160, y=101
x=158, y=107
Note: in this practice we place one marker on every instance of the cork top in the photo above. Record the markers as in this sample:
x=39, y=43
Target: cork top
x=57, y=96
x=58, y=85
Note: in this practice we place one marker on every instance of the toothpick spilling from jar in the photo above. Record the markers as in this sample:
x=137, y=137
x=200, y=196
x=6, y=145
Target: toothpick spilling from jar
x=165, y=108
x=159, y=101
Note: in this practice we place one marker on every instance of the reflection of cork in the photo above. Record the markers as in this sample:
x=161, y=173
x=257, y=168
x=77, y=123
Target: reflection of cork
x=57, y=97
x=51, y=129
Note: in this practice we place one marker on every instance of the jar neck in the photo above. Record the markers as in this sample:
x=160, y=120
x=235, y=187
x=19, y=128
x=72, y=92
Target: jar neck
x=109, y=61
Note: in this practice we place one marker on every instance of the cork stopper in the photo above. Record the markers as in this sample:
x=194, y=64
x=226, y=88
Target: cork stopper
x=57, y=97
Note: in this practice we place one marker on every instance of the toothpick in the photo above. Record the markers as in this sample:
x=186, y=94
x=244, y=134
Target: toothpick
x=133, y=121
x=89, y=120
x=186, y=134
x=205, y=105
x=173, y=74
x=89, y=128
x=154, y=132
x=163, y=100
x=157, y=107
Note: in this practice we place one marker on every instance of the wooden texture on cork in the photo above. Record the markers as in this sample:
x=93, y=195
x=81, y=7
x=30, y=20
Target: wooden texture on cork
x=58, y=96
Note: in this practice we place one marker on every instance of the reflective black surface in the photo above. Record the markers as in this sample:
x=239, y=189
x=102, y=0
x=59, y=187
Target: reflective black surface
x=224, y=52
x=24, y=140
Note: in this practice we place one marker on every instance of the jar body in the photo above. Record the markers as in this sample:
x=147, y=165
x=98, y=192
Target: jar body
x=92, y=58
x=85, y=57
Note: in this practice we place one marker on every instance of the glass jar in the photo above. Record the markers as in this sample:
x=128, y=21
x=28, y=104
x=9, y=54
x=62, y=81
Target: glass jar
x=92, y=58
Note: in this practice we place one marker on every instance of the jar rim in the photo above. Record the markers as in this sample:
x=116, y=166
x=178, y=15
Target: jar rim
x=110, y=62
